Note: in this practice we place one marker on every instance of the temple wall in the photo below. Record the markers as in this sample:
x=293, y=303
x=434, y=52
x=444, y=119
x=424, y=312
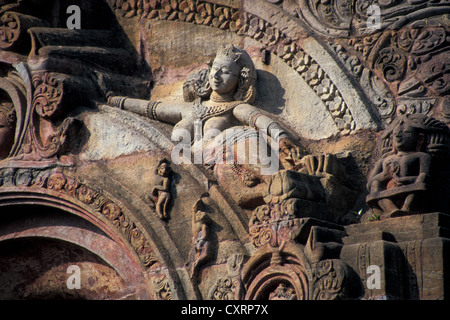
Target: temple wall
x=88, y=117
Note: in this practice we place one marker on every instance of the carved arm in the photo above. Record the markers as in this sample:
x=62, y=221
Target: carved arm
x=253, y=117
x=376, y=177
x=169, y=112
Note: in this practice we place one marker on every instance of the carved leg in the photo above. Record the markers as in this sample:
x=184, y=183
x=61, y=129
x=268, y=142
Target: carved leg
x=389, y=208
x=160, y=207
x=201, y=257
x=166, y=208
x=408, y=202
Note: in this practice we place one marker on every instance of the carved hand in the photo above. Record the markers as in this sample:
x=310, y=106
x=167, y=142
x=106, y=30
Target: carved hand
x=320, y=164
x=290, y=154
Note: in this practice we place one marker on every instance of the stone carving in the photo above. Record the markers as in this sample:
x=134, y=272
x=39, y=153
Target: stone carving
x=223, y=289
x=161, y=195
x=404, y=51
x=297, y=247
x=278, y=221
x=378, y=92
x=48, y=139
x=13, y=27
x=7, y=128
x=48, y=94
x=332, y=280
x=56, y=181
x=314, y=75
x=269, y=272
x=14, y=90
x=10, y=29
x=340, y=18
x=411, y=62
x=333, y=17
x=415, y=44
x=46, y=132
x=321, y=84
x=229, y=287
x=401, y=179
x=316, y=189
x=271, y=36
x=202, y=13
x=232, y=83
x=289, y=276
x=162, y=288
x=410, y=48
x=201, y=251
x=283, y=292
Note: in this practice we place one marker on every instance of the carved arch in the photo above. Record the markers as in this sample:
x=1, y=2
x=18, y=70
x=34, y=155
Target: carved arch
x=271, y=267
x=51, y=188
x=49, y=231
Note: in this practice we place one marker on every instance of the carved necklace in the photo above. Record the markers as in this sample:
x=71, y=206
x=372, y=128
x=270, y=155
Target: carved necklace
x=220, y=98
x=202, y=112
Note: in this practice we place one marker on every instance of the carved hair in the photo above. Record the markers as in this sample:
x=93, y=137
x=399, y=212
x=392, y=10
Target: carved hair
x=7, y=110
x=436, y=134
x=197, y=85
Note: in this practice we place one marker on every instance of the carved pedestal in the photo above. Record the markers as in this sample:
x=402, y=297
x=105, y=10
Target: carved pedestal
x=411, y=253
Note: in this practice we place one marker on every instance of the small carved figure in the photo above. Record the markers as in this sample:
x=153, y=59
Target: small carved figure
x=7, y=128
x=200, y=237
x=283, y=292
x=403, y=174
x=161, y=190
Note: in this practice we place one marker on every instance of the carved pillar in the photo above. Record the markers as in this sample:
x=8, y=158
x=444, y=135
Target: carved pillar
x=406, y=254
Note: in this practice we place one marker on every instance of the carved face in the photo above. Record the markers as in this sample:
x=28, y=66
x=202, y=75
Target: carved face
x=163, y=169
x=6, y=136
x=224, y=75
x=405, y=137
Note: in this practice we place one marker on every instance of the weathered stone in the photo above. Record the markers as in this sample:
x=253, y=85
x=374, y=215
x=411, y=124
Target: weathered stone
x=284, y=103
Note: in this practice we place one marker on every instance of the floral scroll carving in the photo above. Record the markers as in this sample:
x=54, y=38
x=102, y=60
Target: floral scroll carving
x=9, y=29
x=229, y=287
x=48, y=94
x=49, y=137
x=328, y=277
x=13, y=26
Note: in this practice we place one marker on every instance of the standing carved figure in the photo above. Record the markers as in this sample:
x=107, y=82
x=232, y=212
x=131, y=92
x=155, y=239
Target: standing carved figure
x=161, y=190
x=200, y=237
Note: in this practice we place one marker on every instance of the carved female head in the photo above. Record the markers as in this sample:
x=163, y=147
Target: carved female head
x=231, y=72
x=7, y=128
